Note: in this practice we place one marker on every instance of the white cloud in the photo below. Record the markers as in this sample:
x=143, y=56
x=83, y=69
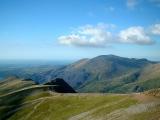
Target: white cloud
x=134, y=35
x=155, y=29
x=100, y=35
x=88, y=35
x=131, y=3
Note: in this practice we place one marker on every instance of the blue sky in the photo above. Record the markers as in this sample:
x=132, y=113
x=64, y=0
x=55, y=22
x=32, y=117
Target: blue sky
x=75, y=29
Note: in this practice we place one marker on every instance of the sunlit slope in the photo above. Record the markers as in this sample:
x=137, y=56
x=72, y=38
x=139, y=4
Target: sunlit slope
x=15, y=91
x=135, y=81
x=41, y=105
x=86, y=107
x=14, y=83
x=149, y=78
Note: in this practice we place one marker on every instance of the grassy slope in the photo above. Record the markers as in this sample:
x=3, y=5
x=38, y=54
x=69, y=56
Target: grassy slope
x=83, y=106
x=37, y=103
x=62, y=106
x=12, y=83
x=149, y=79
x=134, y=81
x=41, y=105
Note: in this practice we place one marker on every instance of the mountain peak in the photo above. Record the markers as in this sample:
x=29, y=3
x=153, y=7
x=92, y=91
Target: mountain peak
x=100, y=71
x=109, y=56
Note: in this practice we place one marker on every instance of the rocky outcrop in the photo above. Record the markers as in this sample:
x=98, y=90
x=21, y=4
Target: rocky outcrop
x=60, y=86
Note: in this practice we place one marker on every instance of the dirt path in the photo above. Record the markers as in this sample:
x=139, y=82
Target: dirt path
x=124, y=114
x=87, y=114
x=144, y=98
x=145, y=103
x=35, y=107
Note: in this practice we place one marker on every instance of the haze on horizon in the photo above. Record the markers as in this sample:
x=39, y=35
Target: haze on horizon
x=72, y=30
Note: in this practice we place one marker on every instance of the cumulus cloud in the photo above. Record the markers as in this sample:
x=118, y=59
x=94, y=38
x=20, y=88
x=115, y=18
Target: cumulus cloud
x=134, y=35
x=101, y=35
x=155, y=29
x=131, y=3
x=88, y=35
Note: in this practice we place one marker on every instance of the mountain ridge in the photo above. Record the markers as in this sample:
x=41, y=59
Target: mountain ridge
x=104, y=73
x=104, y=69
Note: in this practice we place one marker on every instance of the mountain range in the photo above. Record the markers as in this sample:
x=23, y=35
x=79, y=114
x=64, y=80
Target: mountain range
x=107, y=73
x=49, y=94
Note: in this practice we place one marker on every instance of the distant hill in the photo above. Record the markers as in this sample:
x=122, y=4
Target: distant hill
x=108, y=73
x=24, y=71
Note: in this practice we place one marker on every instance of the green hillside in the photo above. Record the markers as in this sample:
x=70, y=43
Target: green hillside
x=137, y=81
x=14, y=83
x=38, y=102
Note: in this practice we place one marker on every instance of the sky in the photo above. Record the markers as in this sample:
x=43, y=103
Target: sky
x=76, y=29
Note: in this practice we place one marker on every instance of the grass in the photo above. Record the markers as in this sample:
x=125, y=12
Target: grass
x=13, y=84
x=64, y=106
x=152, y=114
x=118, y=105
x=43, y=105
x=38, y=103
